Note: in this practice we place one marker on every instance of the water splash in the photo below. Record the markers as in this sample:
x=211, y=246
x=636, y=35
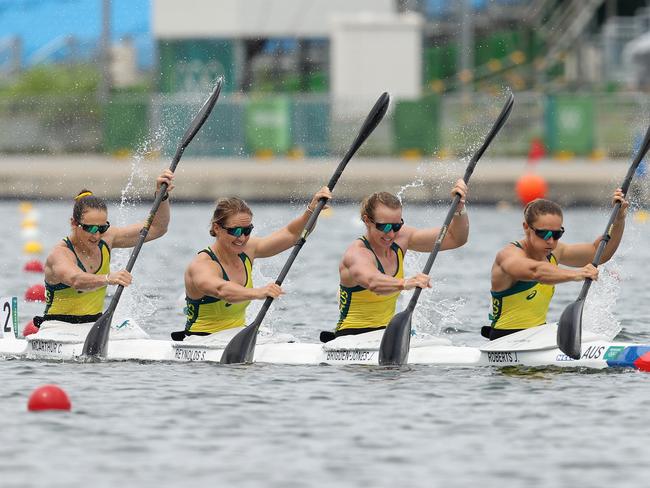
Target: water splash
x=598, y=312
x=138, y=301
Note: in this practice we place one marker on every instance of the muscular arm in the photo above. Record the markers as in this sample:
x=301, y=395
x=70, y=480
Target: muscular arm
x=360, y=267
x=61, y=267
x=128, y=235
x=514, y=263
x=280, y=240
x=423, y=240
x=584, y=253
x=207, y=279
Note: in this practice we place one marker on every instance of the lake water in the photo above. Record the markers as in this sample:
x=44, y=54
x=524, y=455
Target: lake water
x=194, y=424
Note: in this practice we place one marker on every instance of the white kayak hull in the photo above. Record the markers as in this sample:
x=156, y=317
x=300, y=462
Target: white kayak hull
x=364, y=349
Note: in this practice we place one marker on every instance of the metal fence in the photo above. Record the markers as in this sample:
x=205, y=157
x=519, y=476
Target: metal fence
x=568, y=124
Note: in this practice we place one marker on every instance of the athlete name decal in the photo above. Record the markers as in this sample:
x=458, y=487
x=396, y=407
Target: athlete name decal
x=349, y=355
x=503, y=357
x=50, y=347
x=185, y=354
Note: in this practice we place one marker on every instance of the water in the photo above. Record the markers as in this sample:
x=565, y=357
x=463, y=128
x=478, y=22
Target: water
x=193, y=424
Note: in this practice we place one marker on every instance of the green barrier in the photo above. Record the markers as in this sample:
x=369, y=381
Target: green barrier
x=221, y=135
x=126, y=124
x=267, y=125
x=570, y=124
x=310, y=126
x=416, y=125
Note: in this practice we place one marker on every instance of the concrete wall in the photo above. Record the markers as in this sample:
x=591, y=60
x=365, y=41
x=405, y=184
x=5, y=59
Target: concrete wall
x=196, y=19
x=61, y=177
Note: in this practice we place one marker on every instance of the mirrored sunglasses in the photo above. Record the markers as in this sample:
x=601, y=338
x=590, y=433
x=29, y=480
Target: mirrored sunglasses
x=94, y=229
x=547, y=234
x=239, y=231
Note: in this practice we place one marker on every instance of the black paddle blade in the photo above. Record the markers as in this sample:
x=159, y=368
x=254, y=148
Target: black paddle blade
x=241, y=348
x=97, y=339
x=202, y=115
x=569, y=330
x=394, y=348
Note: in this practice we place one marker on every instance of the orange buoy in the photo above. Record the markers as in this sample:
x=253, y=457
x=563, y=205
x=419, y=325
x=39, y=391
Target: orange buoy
x=30, y=329
x=48, y=397
x=34, y=266
x=529, y=187
x=35, y=293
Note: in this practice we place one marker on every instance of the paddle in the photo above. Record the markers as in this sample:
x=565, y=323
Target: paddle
x=394, y=347
x=569, y=328
x=241, y=348
x=97, y=339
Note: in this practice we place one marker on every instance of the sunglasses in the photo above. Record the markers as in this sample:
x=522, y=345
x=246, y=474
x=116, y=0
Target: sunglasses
x=94, y=229
x=386, y=228
x=239, y=231
x=547, y=234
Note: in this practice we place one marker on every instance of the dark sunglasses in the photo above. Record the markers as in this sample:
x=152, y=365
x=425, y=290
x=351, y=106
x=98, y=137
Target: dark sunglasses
x=94, y=229
x=386, y=228
x=239, y=231
x=547, y=234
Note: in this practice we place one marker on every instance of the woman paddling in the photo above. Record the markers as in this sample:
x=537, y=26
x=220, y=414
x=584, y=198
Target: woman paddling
x=219, y=281
x=372, y=269
x=525, y=272
x=77, y=270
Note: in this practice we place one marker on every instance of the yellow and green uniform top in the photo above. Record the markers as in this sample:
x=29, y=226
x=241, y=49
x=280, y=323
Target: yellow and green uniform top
x=360, y=308
x=208, y=315
x=63, y=300
x=523, y=305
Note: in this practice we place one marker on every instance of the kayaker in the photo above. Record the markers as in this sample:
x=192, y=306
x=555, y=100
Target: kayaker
x=525, y=272
x=219, y=281
x=372, y=269
x=77, y=270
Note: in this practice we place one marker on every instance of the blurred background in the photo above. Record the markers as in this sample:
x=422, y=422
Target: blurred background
x=102, y=76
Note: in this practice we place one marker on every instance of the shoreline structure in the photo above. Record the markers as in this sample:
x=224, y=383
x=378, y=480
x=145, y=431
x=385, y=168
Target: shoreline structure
x=54, y=177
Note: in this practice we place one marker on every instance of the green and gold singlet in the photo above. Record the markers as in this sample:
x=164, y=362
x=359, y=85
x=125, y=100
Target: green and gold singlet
x=208, y=315
x=63, y=300
x=362, y=309
x=523, y=305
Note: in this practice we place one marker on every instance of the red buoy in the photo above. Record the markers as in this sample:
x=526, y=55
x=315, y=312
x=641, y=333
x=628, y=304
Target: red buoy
x=34, y=266
x=30, y=329
x=529, y=187
x=48, y=397
x=35, y=293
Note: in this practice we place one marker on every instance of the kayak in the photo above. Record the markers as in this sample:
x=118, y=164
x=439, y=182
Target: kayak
x=530, y=348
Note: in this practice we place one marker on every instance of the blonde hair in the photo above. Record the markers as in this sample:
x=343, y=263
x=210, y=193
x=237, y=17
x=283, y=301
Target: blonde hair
x=369, y=204
x=226, y=208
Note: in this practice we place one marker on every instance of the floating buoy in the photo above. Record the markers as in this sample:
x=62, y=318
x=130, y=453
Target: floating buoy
x=529, y=187
x=33, y=247
x=28, y=224
x=48, y=397
x=30, y=329
x=641, y=216
x=25, y=207
x=33, y=266
x=35, y=293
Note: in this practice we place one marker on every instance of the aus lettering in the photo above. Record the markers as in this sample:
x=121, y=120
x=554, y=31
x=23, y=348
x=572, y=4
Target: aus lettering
x=593, y=352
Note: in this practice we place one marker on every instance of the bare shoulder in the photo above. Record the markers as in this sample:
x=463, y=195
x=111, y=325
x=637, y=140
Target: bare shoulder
x=59, y=252
x=355, y=251
x=509, y=251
